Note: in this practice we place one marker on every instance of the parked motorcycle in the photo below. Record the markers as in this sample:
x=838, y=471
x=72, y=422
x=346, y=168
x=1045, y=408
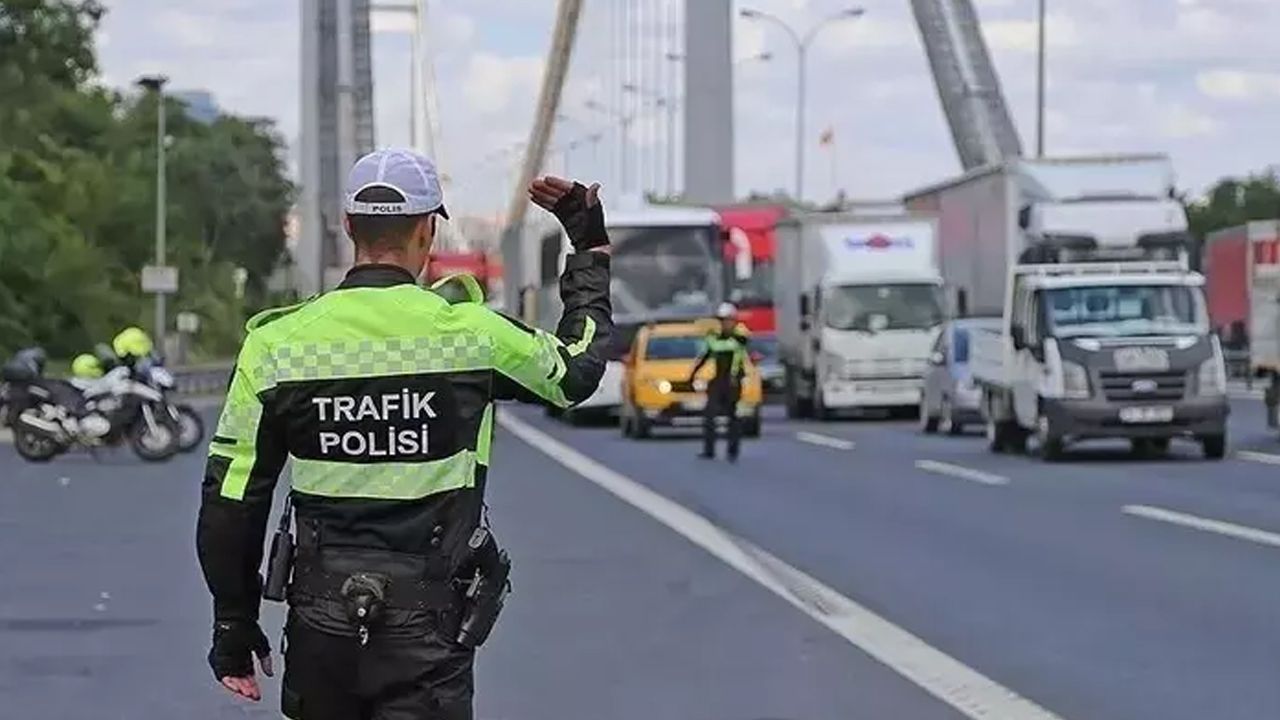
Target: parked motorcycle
x=50, y=416
x=189, y=423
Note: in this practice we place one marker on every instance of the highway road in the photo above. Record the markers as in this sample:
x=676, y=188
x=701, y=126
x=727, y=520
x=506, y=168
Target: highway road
x=850, y=569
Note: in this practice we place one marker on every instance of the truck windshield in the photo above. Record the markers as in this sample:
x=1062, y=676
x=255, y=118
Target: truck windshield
x=902, y=307
x=755, y=290
x=675, y=347
x=1123, y=310
x=664, y=271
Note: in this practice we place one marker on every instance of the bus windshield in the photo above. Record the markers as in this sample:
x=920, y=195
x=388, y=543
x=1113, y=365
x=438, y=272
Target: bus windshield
x=664, y=271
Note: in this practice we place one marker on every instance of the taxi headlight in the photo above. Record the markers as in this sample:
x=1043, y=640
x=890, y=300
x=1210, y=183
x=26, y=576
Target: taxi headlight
x=662, y=386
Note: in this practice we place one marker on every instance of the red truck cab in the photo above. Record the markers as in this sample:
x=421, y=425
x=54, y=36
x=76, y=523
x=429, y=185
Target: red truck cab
x=749, y=247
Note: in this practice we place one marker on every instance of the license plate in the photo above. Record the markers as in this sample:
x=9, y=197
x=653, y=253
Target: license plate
x=694, y=405
x=1146, y=414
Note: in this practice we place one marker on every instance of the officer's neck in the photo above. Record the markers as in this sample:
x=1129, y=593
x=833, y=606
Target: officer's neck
x=384, y=256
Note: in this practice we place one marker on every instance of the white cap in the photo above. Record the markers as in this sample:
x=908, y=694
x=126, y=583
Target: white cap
x=411, y=176
x=726, y=311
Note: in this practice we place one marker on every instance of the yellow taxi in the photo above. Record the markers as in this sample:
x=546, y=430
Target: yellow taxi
x=655, y=382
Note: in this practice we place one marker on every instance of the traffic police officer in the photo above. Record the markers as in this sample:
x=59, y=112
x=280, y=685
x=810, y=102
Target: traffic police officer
x=726, y=347
x=382, y=394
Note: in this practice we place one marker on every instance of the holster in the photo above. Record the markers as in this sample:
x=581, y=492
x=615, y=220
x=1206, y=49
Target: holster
x=486, y=591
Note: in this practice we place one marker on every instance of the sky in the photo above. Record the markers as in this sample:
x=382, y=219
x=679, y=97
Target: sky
x=1199, y=79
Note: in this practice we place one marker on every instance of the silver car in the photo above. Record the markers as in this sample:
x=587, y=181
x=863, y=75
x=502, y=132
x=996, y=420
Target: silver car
x=950, y=400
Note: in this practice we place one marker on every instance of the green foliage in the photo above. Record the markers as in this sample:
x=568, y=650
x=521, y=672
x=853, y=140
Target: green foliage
x=77, y=195
x=1234, y=201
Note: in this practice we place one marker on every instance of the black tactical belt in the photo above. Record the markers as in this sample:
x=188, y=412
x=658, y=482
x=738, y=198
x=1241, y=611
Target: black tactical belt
x=401, y=593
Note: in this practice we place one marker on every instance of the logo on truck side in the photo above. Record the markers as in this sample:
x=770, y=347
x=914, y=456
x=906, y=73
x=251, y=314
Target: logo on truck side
x=879, y=242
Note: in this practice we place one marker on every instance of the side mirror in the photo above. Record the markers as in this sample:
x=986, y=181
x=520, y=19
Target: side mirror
x=937, y=359
x=1018, y=336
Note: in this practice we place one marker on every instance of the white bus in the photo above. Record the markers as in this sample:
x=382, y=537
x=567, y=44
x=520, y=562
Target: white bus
x=668, y=264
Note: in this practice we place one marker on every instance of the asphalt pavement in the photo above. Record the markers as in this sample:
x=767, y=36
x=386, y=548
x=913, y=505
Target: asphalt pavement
x=851, y=569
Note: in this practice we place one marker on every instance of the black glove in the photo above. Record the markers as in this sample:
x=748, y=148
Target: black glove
x=233, y=642
x=583, y=222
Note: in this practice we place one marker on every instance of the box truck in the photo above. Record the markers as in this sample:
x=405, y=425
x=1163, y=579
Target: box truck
x=1242, y=270
x=859, y=303
x=1104, y=328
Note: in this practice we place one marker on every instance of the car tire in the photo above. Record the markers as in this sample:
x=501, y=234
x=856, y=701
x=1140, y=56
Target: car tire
x=1214, y=446
x=751, y=428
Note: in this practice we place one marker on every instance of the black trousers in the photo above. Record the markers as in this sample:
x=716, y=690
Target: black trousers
x=722, y=401
x=408, y=670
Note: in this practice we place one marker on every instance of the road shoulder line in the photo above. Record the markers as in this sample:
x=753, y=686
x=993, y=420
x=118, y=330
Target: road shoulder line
x=959, y=686
x=1195, y=522
x=962, y=472
x=1258, y=457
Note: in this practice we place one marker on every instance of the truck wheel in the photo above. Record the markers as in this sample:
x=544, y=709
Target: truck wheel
x=797, y=407
x=1215, y=446
x=995, y=436
x=1271, y=398
x=820, y=411
x=1049, y=442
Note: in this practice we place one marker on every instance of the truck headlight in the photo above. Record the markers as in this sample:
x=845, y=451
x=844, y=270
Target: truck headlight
x=1075, y=381
x=700, y=385
x=1212, y=378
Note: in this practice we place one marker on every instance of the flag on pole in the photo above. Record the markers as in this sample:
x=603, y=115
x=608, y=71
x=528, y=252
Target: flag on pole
x=827, y=138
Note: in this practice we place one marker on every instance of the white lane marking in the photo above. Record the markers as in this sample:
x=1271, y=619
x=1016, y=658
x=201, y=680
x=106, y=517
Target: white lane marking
x=962, y=472
x=1258, y=457
x=824, y=440
x=1195, y=522
x=963, y=688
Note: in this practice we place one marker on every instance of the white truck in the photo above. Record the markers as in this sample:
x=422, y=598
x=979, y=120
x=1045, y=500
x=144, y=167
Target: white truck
x=859, y=303
x=1105, y=330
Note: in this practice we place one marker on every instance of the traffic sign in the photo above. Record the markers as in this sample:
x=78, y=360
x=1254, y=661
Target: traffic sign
x=188, y=322
x=161, y=279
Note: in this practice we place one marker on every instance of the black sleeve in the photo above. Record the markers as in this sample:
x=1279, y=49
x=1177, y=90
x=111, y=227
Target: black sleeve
x=565, y=368
x=246, y=456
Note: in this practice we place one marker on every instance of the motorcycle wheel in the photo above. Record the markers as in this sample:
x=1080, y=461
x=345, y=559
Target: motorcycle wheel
x=153, y=446
x=190, y=427
x=34, y=447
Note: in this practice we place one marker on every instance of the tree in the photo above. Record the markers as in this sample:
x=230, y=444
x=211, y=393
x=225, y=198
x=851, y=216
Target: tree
x=77, y=194
x=1233, y=201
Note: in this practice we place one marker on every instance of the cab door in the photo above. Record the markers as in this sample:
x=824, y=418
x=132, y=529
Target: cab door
x=1029, y=363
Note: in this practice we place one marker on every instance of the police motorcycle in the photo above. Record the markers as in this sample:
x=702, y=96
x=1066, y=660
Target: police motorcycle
x=151, y=371
x=50, y=416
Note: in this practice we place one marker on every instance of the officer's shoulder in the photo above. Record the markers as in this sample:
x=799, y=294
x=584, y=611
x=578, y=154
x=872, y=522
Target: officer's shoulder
x=271, y=315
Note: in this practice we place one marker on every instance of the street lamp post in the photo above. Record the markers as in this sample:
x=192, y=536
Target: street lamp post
x=1040, y=77
x=155, y=84
x=802, y=53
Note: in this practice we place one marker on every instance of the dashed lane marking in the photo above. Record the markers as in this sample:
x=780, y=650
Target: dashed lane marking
x=962, y=472
x=1195, y=522
x=825, y=441
x=963, y=688
x=1258, y=457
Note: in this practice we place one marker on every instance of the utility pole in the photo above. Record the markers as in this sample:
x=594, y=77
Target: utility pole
x=1040, y=89
x=155, y=85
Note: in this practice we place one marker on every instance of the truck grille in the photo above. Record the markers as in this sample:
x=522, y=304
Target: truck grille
x=884, y=368
x=1139, y=386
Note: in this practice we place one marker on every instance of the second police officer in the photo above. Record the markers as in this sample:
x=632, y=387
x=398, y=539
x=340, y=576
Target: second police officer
x=382, y=394
x=726, y=348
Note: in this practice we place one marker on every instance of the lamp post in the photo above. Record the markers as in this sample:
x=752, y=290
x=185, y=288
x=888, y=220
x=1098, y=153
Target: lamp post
x=155, y=85
x=1040, y=78
x=802, y=52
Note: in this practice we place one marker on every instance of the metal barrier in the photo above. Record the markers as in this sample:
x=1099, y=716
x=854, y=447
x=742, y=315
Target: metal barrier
x=210, y=379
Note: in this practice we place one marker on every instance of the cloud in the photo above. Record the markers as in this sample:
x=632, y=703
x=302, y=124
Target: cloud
x=492, y=80
x=1238, y=84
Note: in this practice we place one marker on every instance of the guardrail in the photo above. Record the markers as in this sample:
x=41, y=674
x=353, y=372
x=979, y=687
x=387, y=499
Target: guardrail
x=203, y=380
